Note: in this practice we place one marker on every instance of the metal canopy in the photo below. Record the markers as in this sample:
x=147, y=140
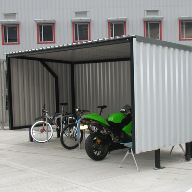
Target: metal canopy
x=149, y=80
x=117, y=49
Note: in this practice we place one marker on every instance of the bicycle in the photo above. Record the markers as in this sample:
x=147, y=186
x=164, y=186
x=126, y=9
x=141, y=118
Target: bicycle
x=72, y=134
x=42, y=131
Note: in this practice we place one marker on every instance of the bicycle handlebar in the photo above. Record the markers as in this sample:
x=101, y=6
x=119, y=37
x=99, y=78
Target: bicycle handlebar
x=83, y=111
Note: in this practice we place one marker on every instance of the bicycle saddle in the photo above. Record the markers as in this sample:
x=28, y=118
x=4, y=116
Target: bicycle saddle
x=64, y=104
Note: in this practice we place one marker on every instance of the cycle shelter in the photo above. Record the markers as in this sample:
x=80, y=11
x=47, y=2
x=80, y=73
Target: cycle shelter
x=152, y=76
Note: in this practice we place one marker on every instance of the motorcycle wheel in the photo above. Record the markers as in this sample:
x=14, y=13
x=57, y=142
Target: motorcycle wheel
x=96, y=147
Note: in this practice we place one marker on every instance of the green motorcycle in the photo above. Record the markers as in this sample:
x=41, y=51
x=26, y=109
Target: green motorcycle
x=109, y=133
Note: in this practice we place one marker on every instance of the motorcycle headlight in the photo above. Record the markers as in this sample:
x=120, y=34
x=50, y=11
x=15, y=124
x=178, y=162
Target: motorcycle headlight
x=83, y=127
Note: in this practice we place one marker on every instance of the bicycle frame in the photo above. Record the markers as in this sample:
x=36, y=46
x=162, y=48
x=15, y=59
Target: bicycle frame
x=79, y=127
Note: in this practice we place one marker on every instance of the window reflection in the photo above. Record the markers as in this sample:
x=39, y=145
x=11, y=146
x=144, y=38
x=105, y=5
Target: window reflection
x=152, y=30
x=45, y=33
x=81, y=32
x=186, y=30
x=10, y=34
x=116, y=29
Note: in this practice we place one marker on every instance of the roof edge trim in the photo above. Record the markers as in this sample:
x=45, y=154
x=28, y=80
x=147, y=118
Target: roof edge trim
x=81, y=19
x=185, y=18
x=163, y=43
x=153, y=18
x=9, y=21
x=45, y=20
x=117, y=19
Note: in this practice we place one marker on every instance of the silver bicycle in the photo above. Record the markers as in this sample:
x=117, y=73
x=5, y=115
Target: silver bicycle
x=42, y=130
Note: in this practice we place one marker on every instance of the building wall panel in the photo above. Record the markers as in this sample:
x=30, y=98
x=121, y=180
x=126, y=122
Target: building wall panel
x=98, y=11
x=162, y=96
x=103, y=84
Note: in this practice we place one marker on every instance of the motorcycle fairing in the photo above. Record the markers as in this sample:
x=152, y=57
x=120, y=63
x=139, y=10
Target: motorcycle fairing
x=127, y=129
x=120, y=121
x=96, y=117
x=116, y=117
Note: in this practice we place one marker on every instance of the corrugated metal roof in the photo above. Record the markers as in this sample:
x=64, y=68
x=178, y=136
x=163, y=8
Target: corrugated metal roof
x=117, y=48
x=68, y=45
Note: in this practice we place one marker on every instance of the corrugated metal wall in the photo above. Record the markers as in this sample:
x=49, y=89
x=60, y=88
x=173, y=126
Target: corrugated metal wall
x=2, y=94
x=33, y=86
x=103, y=84
x=95, y=84
x=163, y=93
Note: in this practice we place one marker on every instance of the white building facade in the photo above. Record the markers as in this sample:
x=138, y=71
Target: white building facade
x=28, y=24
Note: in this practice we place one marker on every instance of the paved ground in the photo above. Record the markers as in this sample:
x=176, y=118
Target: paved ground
x=30, y=166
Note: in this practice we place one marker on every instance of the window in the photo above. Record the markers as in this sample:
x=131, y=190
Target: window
x=185, y=30
x=116, y=29
x=81, y=32
x=10, y=34
x=46, y=33
x=152, y=29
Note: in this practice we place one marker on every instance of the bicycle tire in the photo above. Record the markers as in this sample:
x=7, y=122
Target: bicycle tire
x=39, y=131
x=69, y=138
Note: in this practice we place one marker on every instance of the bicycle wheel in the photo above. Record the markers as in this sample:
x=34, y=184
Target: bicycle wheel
x=41, y=131
x=69, y=138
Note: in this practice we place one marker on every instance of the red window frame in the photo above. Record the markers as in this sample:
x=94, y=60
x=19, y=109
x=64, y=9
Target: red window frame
x=160, y=28
x=109, y=33
x=45, y=42
x=89, y=31
x=18, y=37
x=183, y=39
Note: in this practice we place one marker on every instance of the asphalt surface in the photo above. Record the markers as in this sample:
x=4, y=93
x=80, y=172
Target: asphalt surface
x=31, y=166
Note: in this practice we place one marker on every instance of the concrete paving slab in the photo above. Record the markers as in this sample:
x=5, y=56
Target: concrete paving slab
x=31, y=166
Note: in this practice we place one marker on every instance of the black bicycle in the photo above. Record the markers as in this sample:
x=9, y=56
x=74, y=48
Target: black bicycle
x=72, y=134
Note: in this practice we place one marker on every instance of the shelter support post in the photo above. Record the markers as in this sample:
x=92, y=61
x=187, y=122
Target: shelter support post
x=188, y=151
x=191, y=148
x=10, y=109
x=30, y=138
x=56, y=84
x=58, y=133
x=157, y=159
x=2, y=125
x=73, y=87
